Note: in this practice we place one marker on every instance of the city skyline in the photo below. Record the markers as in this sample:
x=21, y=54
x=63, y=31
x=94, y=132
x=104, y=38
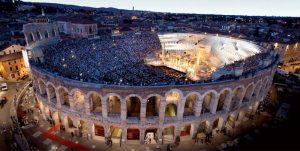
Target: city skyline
x=233, y=7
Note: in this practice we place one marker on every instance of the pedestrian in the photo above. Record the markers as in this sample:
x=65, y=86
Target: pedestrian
x=72, y=134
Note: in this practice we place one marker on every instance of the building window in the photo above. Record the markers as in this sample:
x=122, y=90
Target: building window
x=15, y=61
x=17, y=68
x=8, y=63
x=10, y=68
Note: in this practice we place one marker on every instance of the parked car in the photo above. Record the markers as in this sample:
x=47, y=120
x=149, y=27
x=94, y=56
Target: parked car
x=4, y=87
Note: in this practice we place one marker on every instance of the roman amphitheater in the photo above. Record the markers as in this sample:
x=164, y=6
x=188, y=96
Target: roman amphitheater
x=142, y=85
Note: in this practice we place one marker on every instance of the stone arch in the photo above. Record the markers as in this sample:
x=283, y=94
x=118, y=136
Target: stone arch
x=248, y=93
x=209, y=101
x=218, y=124
x=168, y=133
x=173, y=96
x=56, y=117
x=113, y=104
x=51, y=93
x=63, y=96
x=68, y=123
x=95, y=102
x=53, y=33
x=39, y=35
x=42, y=87
x=115, y=132
x=78, y=99
x=153, y=104
x=171, y=110
x=190, y=103
x=46, y=34
x=224, y=99
x=133, y=105
x=133, y=133
x=237, y=96
x=257, y=89
x=82, y=127
x=203, y=127
x=230, y=121
x=31, y=37
x=99, y=130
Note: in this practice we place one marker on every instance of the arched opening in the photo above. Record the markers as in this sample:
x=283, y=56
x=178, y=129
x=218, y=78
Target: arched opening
x=202, y=130
x=95, y=102
x=240, y=116
x=133, y=107
x=230, y=123
x=53, y=33
x=56, y=118
x=31, y=37
x=133, y=134
x=63, y=96
x=173, y=97
x=217, y=125
x=237, y=96
x=168, y=135
x=150, y=135
x=152, y=108
x=78, y=98
x=171, y=110
x=248, y=94
x=42, y=88
x=68, y=123
x=224, y=96
x=99, y=130
x=115, y=132
x=189, y=106
x=114, y=106
x=51, y=93
x=82, y=129
x=46, y=34
x=256, y=91
x=185, y=130
x=39, y=36
x=207, y=102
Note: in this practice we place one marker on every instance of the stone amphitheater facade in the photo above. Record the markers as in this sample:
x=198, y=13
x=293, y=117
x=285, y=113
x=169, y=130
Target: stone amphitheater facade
x=99, y=111
x=70, y=101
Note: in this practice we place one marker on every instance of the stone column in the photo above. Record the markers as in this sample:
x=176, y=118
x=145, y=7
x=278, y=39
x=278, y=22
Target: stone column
x=58, y=101
x=159, y=135
x=48, y=95
x=124, y=135
x=194, y=129
x=198, y=107
x=180, y=109
x=214, y=104
x=91, y=130
x=228, y=102
x=104, y=108
x=177, y=130
x=87, y=105
x=142, y=135
x=143, y=111
x=162, y=109
x=123, y=110
x=71, y=102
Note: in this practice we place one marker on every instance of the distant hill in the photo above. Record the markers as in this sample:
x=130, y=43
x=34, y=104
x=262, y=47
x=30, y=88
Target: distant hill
x=65, y=6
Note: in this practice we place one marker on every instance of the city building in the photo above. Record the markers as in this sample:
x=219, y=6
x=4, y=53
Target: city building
x=12, y=65
x=77, y=26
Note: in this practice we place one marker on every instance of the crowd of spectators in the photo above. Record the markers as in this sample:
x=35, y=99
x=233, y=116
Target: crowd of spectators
x=112, y=59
